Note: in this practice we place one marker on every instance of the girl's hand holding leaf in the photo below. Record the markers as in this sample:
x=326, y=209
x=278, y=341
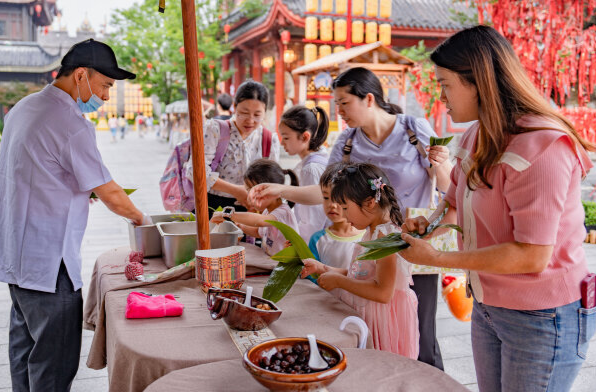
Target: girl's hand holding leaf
x=217, y=217
x=329, y=280
x=311, y=266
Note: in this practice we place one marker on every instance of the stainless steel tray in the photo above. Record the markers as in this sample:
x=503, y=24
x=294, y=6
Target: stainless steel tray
x=179, y=239
x=146, y=238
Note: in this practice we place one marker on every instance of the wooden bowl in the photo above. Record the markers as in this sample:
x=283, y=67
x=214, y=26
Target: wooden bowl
x=292, y=382
x=229, y=305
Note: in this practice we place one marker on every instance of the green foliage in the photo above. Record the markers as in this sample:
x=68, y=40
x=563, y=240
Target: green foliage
x=590, y=210
x=144, y=36
x=253, y=8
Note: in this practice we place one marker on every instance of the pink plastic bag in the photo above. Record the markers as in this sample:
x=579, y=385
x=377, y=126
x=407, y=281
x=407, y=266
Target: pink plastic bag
x=139, y=305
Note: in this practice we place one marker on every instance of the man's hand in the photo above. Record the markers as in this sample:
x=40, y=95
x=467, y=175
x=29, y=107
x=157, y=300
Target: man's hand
x=118, y=202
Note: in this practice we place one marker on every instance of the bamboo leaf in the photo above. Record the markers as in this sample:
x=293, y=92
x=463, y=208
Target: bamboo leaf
x=393, y=243
x=290, y=234
x=435, y=141
x=287, y=255
x=128, y=192
x=281, y=280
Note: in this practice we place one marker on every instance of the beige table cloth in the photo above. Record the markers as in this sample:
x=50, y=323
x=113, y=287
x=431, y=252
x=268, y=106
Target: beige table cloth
x=368, y=371
x=140, y=351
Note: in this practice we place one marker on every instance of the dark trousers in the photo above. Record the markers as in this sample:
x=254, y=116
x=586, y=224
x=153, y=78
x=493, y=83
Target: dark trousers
x=425, y=287
x=44, y=343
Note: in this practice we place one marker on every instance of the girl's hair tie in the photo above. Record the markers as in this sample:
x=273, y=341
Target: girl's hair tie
x=314, y=111
x=377, y=184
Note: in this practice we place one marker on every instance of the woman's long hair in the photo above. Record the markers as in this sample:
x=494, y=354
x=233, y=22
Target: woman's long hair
x=484, y=58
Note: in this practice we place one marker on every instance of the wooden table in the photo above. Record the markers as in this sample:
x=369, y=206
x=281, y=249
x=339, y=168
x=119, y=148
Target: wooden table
x=138, y=352
x=368, y=370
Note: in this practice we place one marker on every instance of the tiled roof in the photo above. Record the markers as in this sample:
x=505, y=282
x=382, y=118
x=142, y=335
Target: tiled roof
x=422, y=14
x=26, y=57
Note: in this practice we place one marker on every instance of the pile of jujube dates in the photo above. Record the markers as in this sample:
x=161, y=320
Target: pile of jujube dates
x=293, y=360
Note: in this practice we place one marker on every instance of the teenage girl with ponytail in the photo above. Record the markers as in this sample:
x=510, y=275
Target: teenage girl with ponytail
x=379, y=290
x=303, y=132
x=255, y=224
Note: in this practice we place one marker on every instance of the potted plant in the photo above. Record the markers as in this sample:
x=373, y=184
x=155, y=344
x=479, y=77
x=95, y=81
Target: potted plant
x=590, y=210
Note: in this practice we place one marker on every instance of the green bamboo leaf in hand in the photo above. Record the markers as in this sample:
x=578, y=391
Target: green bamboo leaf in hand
x=435, y=141
x=287, y=255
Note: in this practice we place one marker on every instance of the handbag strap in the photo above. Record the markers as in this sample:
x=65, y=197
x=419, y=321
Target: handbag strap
x=222, y=143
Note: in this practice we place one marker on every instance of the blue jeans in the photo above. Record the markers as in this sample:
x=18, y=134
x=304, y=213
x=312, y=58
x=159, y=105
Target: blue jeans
x=530, y=350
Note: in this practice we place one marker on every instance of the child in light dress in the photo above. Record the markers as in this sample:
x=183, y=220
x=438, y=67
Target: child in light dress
x=334, y=245
x=254, y=224
x=379, y=290
x=303, y=132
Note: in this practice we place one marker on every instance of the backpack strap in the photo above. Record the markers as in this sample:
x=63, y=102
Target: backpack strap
x=222, y=143
x=266, y=140
x=412, y=135
x=347, y=150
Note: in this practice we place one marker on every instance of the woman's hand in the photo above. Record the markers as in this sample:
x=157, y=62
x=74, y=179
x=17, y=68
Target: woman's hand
x=311, y=266
x=329, y=280
x=415, y=225
x=437, y=155
x=419, y=252
x=262, y=195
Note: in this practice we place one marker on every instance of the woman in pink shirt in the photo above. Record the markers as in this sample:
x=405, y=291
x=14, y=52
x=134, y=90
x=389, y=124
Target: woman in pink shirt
x=516, y=193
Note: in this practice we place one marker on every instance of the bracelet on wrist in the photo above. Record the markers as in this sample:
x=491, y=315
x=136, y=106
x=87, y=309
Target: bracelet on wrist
x=228, y=211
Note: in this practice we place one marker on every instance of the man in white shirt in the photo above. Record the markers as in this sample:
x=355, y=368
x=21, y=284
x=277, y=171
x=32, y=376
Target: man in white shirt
x=49, y=165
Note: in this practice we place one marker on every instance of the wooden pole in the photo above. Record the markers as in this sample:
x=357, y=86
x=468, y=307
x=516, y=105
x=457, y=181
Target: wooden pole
x=195, y=113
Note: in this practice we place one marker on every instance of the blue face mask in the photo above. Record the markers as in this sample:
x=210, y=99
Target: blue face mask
x=92, y=104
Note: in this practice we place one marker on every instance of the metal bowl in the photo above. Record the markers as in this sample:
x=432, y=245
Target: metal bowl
x=229, y=305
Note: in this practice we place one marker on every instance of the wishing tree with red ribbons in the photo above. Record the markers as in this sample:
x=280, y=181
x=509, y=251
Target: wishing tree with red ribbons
x=550, y=38
x=551, y=42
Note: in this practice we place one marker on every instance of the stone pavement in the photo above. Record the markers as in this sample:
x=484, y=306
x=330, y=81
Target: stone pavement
x=138, y=163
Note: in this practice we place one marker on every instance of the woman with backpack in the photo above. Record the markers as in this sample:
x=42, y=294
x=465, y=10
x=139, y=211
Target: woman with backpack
x=379, y=134
x=232, y=145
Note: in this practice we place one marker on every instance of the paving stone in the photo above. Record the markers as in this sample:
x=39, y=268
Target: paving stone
x=97, y=384
x=4, y=354
x=461, y=369
x=5, y=376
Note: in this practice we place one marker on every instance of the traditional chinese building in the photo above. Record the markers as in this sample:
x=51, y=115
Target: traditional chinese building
x=268, y=47
x=21, y=57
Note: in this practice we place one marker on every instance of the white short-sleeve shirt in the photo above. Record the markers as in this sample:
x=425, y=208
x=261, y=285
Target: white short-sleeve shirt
x=49, y=163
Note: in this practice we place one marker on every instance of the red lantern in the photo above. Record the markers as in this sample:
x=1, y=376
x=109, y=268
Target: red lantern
x=38, y=10
x=201, y=55
x=181, y=50
x=149, y=65
x=134, y=59
x=285, y=37
x=227, y=28
x=211, y=64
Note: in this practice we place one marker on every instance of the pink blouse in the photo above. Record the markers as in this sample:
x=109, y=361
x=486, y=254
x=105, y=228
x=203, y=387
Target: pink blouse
x=535, y=199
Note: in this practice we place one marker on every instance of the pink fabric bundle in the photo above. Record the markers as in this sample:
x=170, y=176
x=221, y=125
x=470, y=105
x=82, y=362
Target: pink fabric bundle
x=139, y=305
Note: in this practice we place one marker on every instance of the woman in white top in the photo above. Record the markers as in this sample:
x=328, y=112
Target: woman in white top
x=225, y=182
x=303, y=132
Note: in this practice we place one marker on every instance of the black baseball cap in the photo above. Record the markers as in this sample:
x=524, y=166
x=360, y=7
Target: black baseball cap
x=96, y=55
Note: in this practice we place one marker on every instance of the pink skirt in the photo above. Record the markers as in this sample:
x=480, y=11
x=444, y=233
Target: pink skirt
x=393, y=326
